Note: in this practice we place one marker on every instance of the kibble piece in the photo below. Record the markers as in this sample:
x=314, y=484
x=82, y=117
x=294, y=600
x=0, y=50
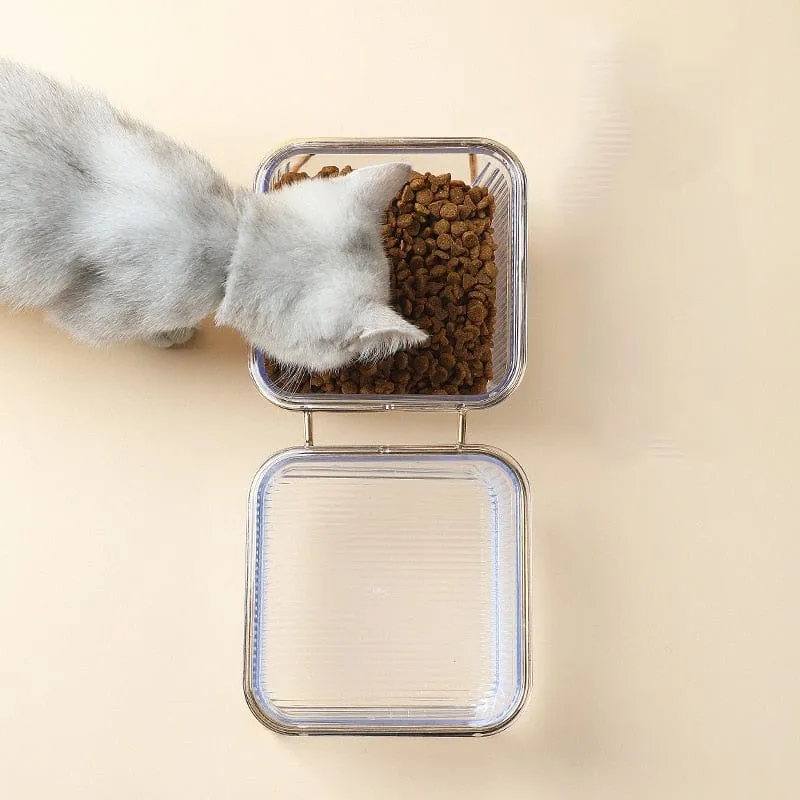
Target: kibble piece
x=476, y=311
x=444, y=241
x=469, y=239
x=457, y=195
x=424, y=197
x=449, y=211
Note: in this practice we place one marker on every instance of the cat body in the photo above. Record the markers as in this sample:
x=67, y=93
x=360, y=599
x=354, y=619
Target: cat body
x=120, y=234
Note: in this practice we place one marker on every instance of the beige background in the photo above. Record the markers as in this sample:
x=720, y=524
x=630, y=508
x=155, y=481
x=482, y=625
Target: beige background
x=658, y=420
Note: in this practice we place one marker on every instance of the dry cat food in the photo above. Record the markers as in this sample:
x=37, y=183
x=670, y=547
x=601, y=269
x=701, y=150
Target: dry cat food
x=438, y=236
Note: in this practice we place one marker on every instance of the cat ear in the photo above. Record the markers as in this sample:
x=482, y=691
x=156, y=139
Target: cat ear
x=376, y=186
x=382, y=331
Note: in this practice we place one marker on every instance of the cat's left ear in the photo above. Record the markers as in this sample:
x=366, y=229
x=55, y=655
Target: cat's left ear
x=376, y=186
x=380, y=330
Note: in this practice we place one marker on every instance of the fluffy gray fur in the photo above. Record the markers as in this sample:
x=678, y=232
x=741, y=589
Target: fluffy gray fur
x=120, y=234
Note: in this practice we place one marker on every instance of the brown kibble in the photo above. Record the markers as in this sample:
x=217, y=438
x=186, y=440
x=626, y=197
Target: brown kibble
x=476, y=312
x=425, y=197
x=439, y=376
x=438, y=238
x=469, y=239
x=444, y=241
x=420, y=364
x=449, y=211
x=475, y=194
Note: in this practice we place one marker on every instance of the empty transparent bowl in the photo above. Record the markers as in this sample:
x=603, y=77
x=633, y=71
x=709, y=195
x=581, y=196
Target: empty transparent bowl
x=388, y=591
x=476, y=161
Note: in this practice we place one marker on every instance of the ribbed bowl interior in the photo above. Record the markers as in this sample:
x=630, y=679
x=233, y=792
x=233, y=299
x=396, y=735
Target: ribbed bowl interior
x=388, y=591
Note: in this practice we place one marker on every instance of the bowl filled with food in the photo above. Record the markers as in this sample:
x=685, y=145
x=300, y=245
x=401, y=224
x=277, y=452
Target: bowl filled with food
x=455, y=237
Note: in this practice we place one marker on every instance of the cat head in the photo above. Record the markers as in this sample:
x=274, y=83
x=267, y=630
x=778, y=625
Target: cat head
x=309, y=281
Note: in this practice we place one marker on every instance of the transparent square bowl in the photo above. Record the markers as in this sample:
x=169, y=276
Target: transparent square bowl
x=387, y=591
x=476, y=161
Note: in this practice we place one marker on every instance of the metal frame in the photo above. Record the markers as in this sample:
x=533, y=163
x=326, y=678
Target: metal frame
x=470, y=147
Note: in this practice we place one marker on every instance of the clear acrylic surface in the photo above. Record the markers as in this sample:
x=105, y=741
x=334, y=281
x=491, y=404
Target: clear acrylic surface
x=387, y=591
x=478, y=161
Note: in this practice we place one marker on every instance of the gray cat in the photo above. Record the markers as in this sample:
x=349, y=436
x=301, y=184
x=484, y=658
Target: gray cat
x=120, y=234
